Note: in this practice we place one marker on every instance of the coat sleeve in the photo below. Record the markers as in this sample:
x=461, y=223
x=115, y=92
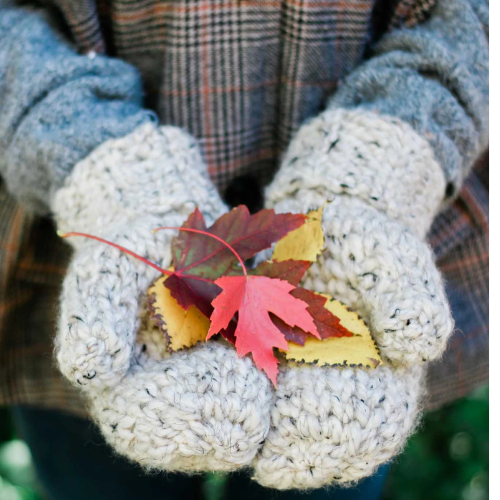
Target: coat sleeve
x=56, y=106
x=434, y=76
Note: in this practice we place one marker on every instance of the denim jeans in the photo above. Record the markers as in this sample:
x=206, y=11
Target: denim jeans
x=74, y=463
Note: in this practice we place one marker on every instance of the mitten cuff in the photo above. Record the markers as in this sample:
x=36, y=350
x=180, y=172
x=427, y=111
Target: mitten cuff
x=152, y=171
x=378, y=159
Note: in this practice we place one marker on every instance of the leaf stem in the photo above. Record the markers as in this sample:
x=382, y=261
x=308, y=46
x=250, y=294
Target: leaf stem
x=119, y=247
x=133, y=254
x=205, y=233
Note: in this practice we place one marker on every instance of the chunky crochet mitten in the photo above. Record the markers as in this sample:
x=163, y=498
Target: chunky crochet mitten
x=203, y=409
x=385, y=187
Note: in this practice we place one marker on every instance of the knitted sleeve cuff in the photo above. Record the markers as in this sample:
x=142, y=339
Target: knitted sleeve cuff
x=378, y=159
x=56, y=105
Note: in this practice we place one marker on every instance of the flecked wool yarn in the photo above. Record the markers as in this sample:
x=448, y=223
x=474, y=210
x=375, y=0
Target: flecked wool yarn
x=205, y=409
x=338, y=424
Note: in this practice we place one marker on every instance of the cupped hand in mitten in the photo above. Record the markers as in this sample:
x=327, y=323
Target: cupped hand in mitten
x=339, y=424
x=382, y=187
x=202, y=409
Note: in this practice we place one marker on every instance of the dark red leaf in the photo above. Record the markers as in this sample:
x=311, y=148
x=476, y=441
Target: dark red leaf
x=204, y=257
x=191, y=292
x=327, y=323
x=291, y=333
x=229, y=332
x=289, y=270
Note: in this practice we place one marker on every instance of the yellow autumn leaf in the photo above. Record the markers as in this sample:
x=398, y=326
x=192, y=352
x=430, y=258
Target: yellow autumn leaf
x=358, y=350
x=304, y=243
x=184, y=328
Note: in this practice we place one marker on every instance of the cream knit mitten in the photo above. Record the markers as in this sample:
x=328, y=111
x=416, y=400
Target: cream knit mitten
x=385, y=187
x=202, y=409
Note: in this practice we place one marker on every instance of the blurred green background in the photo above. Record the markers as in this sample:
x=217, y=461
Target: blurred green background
x=446, y=460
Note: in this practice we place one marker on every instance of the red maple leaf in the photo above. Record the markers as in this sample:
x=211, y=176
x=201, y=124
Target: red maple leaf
x=198, y=260
x=253, y=298
x=293, y=271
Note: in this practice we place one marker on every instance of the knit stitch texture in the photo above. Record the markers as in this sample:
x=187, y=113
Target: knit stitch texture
x=336, y=425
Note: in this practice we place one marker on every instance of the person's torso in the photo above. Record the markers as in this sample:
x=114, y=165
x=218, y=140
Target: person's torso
x=240, y=75
x=242, y=80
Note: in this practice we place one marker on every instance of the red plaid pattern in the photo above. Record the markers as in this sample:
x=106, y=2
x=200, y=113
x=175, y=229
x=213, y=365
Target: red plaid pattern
x=240, y=76
x=459, y=238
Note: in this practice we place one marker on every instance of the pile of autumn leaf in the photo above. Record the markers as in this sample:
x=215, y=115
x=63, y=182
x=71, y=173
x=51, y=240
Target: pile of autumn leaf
x=262, y=311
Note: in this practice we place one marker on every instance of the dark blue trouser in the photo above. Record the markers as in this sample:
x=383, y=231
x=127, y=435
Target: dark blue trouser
x=74, y=463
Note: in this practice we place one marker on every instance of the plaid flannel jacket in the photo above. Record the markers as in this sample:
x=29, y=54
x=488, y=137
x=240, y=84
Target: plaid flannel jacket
x=309, y=46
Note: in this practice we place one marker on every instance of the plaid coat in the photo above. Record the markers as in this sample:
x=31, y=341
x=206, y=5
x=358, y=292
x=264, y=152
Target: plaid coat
x=279, y=70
